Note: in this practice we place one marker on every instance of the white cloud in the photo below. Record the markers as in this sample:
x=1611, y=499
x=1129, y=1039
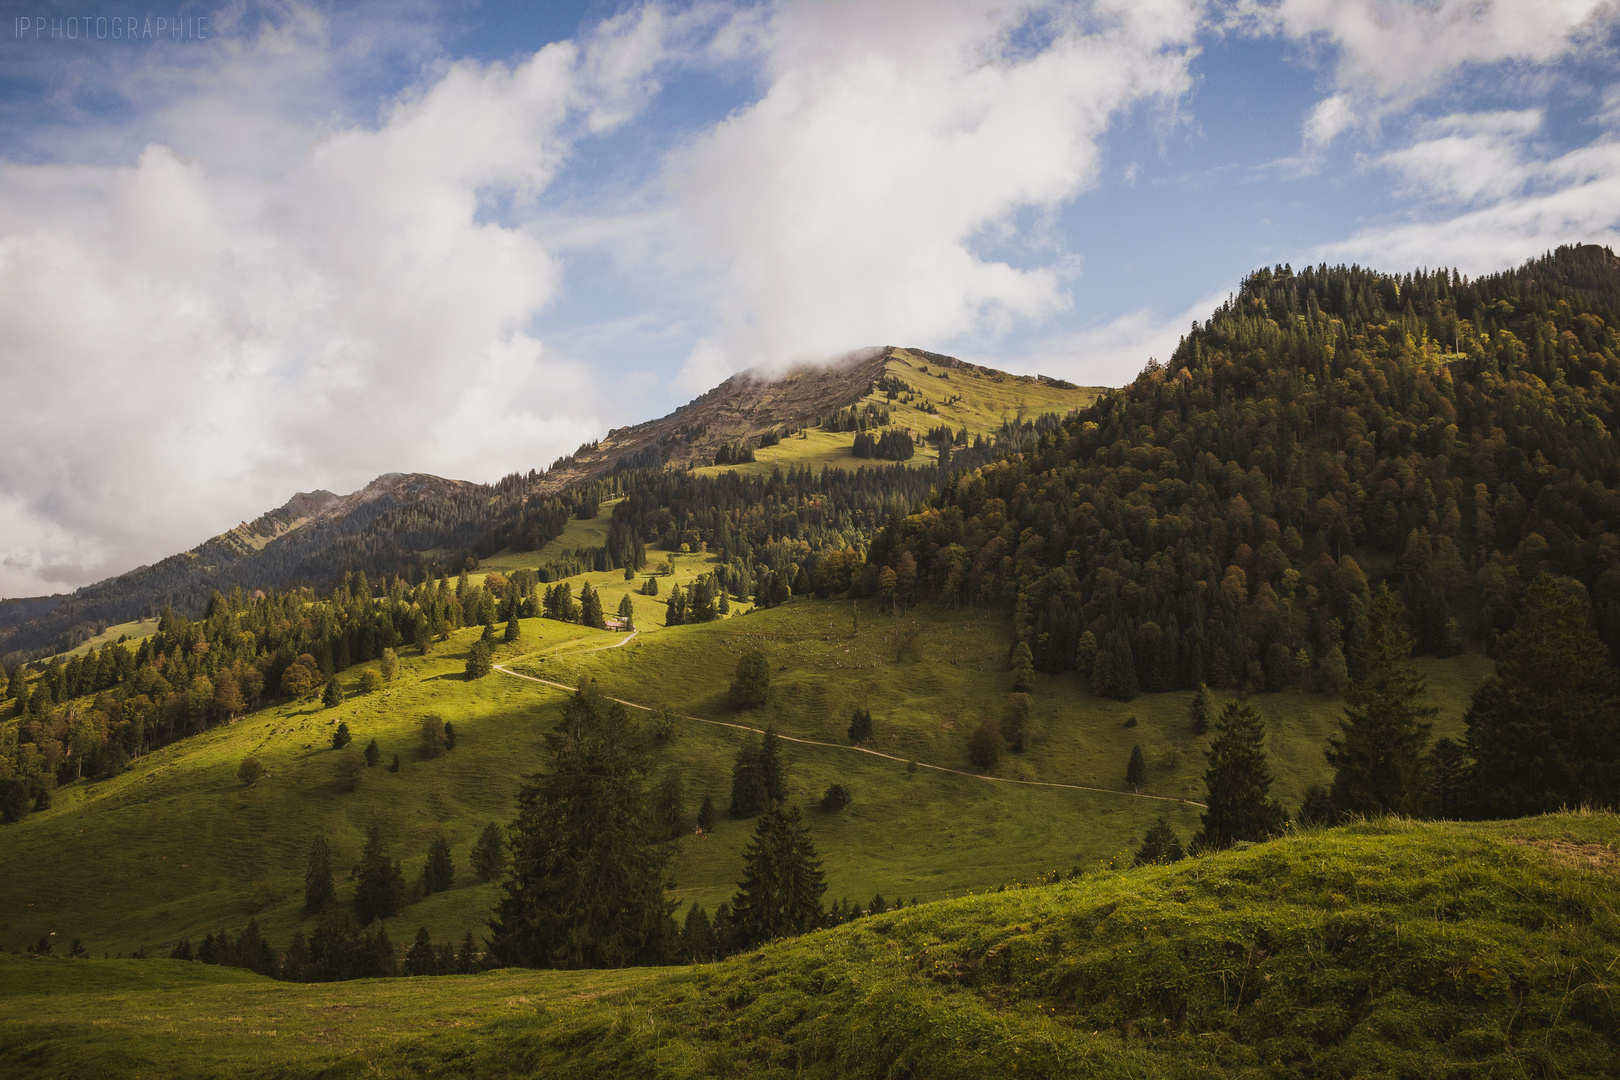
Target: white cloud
x=188, y=340
x=1327, y=119
x=1114, y=352
x=847, y=205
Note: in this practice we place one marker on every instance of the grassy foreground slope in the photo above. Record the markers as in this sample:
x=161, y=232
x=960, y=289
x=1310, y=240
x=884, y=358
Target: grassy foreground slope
x=1385, y=949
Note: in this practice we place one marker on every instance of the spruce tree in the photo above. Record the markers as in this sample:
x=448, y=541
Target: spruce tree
x=1377, y=756
x=439, y=872
x=1136, y=769
x=332, y=696
x=514, y=628
x=1238, y=781
x=747, y=796
x=780, y=893
x=1023, y=668
x=860, y=725
x=1198, y=717
x=421, y=958
x=1542, y=729
x=706, y=814
x=318, y=890
x=1015, y=719
x=489, y=853
x=1160, y=845
x=381, y=890
x=586, y=887
x=627, y=611
x=668, y=803
x=697, y=937
x=479, y=663
x=373, y=753
x=590, y=608
x=772, y=769
x=341, y=737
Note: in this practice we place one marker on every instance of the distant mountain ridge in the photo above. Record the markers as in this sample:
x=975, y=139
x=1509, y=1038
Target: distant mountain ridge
x=400, y=521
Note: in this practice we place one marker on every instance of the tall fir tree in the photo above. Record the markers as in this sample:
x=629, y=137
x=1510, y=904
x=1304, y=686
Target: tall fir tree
x=590, y=607
x=1544, y=730
x=1160, y=845
x=1377, y=755
x=1238, y=781
x=1198, y=715
x=1136, y=769
x=381, y=890
x=772, y=769
x=780, y=893
x=589, y=865
x=318, y=890
x=489, y=853
x=439, y=872
x=627, y=612
x=747, y=793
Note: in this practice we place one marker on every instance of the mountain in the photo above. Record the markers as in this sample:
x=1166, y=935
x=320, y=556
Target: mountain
x=414, y=523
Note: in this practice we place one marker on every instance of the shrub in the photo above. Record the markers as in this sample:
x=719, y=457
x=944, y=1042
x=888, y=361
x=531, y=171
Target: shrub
x=433, y=741
x=836, y=798
x=389, y=664
x=349, y=767
x=370, y=681
x=250, y=770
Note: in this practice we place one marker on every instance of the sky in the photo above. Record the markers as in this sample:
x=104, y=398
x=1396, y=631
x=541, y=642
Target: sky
x=250, y=249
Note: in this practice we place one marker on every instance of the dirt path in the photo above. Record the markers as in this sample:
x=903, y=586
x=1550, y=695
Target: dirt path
x=504, y=670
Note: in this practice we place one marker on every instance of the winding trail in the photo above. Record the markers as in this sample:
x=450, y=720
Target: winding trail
x=504, y=670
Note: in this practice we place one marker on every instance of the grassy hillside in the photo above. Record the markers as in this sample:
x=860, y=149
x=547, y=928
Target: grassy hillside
x=1385, y=949
x=178, y=847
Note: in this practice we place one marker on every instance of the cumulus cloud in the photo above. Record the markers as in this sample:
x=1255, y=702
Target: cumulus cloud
x=1114, y=352
x=189, y=340
x=895, y=141
x=1489, y=199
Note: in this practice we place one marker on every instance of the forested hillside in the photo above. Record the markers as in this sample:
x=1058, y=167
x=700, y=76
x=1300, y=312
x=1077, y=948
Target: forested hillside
x=1220, y=519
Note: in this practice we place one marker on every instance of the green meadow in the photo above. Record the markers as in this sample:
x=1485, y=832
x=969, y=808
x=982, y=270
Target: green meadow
x=1390, y=948
x=178, y=846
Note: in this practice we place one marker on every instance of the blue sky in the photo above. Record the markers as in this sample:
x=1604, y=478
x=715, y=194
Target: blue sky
x=302, y=244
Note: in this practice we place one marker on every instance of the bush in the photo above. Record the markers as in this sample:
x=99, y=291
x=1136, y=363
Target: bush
x=984, y=745
x=370, y=681
x=389, y=664
x=250, y=771
x=836, y=798
x=349, y=767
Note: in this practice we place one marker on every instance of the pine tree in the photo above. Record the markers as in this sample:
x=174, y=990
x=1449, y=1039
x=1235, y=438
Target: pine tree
x=1023, y=668
x=860, y=725
x=668, y=802
x=772, y=769
x=467, y=956
x=479, y=663
x=421, y=958
x=706, y=814
x=332, y=696
x=489, y=854
x=590, y=608
x=586, y=887
x=381, y=890
x=780, y=893
x=514, y=629
x=1377, y=756
x=627, y=611
x=751, y=686
x=1136, y=770
x=1238, y=781
x=747, y=793
x=394, y=765
x=698, y=944
x=1542, y=729
x=341, y=737
x=1160, y=845
x=373, y=753
x=318, y=890
x=1199, y=716
x=439, y=872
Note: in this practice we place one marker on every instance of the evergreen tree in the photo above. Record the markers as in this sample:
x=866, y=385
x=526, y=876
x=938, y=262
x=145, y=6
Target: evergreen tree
x=747, y=792
x=1543, y=730
x=332, y=696
x=421, y=958
x=373, y=753
x=1238, y=781
x=698, y=943
x=432, y=737
x=860, y=725
x=1015, y=719
x=780, y=893
x=1378, y=754
x=394, y=765
x=514, y=629
x=1136, y=770
x=627, y=611
x=772, y=769
x=1199, y=716
x=1023, y=668
x=590, y=607
x=586, y=887
x=1160, y=845
x=489, y=853
x=318, y=890
x=439, y=872
x=467, y=955
x=479, y=663
x=1450, y=781
x=984, y=745
x=751, y=686
x=706, y=814
x=381, y=891
x=341, y=737
x=667, y=804
x=389, y=665
x=836, y=798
